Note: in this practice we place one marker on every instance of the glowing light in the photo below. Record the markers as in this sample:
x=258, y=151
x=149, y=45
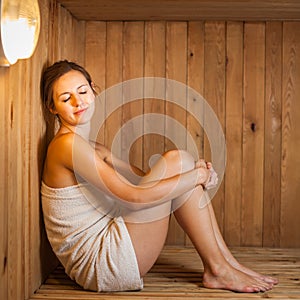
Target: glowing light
x=19, y=33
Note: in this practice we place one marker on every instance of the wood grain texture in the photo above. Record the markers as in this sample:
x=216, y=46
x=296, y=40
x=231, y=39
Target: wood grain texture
x=214, y=93
x=184, y=10
x=253, y=134
x=290, y=179
x=178, y=273
x=273, y=115
x=249, y=72
x=155, y=66
x=25, y=255
x=113, y=100
x=234, y=132
x=5, y=142
x=195, y=81
x=133, y=67
x=176, y=69
x=95, y=61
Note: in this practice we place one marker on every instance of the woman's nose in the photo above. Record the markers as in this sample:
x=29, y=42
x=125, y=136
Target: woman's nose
x=77, y=100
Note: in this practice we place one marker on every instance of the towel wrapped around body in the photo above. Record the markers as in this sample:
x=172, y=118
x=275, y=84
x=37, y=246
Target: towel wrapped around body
x=90, y=239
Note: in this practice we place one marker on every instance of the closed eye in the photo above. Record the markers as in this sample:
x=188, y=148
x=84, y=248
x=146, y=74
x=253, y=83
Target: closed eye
x=66, y=100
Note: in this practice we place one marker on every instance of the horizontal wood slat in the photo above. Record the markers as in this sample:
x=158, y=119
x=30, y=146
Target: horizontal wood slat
x=178, y=275
x=183, y=10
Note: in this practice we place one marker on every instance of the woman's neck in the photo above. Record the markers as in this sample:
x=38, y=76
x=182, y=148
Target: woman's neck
x=83, y=130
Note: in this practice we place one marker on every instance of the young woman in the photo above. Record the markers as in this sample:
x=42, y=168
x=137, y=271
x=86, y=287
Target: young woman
x=91, y=201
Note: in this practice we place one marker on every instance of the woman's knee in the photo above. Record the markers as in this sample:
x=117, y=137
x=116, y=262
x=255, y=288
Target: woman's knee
x=183, y=160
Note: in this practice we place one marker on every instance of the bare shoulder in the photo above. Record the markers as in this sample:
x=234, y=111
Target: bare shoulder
x=58, y=166
x=61, y=144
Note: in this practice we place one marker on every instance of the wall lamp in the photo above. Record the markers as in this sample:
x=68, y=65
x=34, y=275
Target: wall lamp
x=20, y=28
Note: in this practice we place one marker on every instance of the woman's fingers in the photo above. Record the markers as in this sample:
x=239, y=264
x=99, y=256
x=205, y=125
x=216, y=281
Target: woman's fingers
x=213, y=179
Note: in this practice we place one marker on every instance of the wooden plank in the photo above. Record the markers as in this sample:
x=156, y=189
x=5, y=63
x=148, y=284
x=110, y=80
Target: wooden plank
x=290, y=188
x=71, y=35
x=15, y=185
x=177, y=274
x=155, y=66
x=5, y=141
x=195, y=80
x=176, y=69
x=272, y=165
x=133, y=67
x=27, y=120
x=52, y=35
x=183, y=10
x=253, y=134
x=79, y=38
x=95, y=52
x=95, y=59
x=234, y=122
x=114, y=69
x=214, y=93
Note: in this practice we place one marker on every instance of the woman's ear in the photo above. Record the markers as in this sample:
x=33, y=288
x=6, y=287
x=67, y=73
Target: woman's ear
x=53, y=111
x=94, y=88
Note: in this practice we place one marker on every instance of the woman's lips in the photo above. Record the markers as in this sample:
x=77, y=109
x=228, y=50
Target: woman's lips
x=79, y=112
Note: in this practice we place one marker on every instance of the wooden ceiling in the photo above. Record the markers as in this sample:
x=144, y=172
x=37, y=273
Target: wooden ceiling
x=251, y=10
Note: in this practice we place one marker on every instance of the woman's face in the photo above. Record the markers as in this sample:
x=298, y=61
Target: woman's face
x=73, y=99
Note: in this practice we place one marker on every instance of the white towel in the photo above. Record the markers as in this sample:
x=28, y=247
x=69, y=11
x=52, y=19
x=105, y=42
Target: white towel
x=93, y=246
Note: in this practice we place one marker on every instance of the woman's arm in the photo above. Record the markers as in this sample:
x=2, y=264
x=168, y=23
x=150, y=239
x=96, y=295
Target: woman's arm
x=78, y=155
x=129, y=171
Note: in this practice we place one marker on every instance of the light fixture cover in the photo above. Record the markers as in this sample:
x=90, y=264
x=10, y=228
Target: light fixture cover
x=20, y=27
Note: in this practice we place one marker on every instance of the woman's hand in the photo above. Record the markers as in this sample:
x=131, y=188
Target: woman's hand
x=212, y=176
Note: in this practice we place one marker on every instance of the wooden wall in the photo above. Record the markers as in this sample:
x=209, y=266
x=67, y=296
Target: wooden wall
x=25, y=256
x=249, y=72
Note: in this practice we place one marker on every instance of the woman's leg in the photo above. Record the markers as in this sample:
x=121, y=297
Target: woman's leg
x=218, y=273
x=228, y=255
x=148, y=238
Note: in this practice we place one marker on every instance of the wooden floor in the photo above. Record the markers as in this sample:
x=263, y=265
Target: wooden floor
x=178, y=274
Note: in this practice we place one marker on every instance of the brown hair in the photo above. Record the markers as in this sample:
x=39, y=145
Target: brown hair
x=54, y=72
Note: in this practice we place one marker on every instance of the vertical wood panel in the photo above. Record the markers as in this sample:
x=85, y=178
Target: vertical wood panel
x=214, y=93
x=113, y=73
x=95, y=50
x=253, y=135
x=155, y=66
x=268, y=212
x=15, y=197
x=25, y=254
x=36, y=268
x=29, y=172
x=195, y=80
x=272, y=156
x=290, y=180
x=176, y=69
x=133, y=67
x=234, y=127
x=95, y=59
x=4, y=141
x=246, y=218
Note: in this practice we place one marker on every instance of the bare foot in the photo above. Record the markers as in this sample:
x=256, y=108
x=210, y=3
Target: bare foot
x=268, y=279
x=228, y=278
x=234, y=263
